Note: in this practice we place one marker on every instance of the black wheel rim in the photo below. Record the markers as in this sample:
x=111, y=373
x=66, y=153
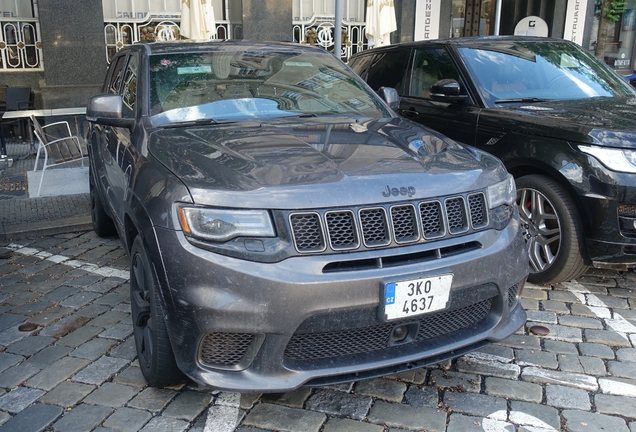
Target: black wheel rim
x=141, y=312
x=541, y=228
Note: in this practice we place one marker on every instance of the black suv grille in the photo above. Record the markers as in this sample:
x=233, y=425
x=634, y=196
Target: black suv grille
x=385, y=225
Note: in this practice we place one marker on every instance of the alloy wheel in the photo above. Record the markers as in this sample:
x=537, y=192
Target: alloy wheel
x=541, y=228
x=141, y=311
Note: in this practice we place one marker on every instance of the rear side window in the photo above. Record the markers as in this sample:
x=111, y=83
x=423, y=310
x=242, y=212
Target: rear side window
x=360, y=65
x=387, y=70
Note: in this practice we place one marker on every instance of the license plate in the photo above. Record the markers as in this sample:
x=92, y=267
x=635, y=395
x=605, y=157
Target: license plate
x=416, y=296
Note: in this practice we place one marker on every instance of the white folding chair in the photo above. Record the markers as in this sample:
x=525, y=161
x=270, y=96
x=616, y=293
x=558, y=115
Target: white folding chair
x=61, y=148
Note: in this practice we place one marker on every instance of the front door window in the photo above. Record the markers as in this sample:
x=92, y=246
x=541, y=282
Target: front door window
x=429, y=66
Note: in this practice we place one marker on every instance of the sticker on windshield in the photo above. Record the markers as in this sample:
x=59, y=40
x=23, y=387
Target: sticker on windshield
x=194, y=70
x=297, y=63
x=567, y=61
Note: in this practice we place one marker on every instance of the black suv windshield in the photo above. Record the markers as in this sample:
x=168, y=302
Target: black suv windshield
x=252, y=85
x=509, y=71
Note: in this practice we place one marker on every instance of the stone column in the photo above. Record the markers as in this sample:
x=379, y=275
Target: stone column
x=267, y=20
x=405, y=18
x=73, y=51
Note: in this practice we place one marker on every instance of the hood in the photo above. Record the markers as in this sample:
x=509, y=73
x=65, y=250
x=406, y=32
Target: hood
x=601, y=121
x=327, y=162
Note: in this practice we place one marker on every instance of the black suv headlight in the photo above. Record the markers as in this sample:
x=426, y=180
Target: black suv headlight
x=621, y=160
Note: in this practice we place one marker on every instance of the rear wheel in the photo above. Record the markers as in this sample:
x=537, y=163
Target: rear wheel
x=552, y=230
x=154, y=350
x=102, y=223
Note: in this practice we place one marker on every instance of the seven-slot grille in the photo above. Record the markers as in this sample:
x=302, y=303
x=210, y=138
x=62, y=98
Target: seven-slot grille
x=346, y=229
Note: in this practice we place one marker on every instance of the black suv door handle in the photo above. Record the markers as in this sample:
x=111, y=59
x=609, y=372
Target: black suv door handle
x=409, y=113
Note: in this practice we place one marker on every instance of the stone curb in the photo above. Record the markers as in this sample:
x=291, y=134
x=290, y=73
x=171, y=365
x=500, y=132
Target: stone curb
x=46, y=227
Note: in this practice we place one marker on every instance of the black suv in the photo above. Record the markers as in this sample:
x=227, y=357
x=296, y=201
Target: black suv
x=562, y=122
x=285, y=227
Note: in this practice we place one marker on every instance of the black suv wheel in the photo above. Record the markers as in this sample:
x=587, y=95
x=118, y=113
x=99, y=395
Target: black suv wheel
x=552, y=230
x=154, y=349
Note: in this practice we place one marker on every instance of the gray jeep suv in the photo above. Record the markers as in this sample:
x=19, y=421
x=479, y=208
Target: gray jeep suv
x=285, y=227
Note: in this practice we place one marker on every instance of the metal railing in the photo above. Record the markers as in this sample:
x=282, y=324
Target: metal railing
x=316, y=29
x=20, y=44
x=120, y=33
x=319, y=31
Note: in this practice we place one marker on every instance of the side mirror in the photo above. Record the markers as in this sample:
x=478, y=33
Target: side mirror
x=447, y=90
x=107, y=110
x=390, y=96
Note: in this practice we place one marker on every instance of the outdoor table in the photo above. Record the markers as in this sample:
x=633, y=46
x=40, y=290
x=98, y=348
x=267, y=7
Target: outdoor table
x=39, y=113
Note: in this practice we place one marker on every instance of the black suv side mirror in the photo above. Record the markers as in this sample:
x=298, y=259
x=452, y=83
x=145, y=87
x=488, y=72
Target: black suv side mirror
x=447, y=90
x=107, y=110
x=390, y=96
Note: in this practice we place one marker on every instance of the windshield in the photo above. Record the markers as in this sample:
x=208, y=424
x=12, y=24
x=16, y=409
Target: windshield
x=254, y=85
x=506, y=71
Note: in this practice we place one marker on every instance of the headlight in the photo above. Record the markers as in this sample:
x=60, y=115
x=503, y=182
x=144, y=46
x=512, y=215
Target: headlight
x=614, y=159
x=503, y=192
x=221, y=225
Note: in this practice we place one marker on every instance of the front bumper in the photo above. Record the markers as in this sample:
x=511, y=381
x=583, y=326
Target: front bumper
x=607, y=204
x=258, y=327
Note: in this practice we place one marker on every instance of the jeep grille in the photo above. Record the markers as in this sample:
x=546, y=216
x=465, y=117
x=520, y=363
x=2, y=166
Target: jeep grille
x=386, y=225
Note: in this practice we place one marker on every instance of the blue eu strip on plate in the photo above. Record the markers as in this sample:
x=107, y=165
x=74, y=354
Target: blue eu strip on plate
x=390, y=293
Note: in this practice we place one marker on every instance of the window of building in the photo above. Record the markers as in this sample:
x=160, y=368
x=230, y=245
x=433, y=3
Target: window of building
x=130, y=21
x=20, y=44
x=620, y=49
x=313, y=23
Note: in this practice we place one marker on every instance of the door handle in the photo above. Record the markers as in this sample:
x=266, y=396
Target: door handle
x=410, y=113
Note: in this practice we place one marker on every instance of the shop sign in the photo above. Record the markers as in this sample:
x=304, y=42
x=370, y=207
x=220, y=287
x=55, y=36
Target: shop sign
x=17, y=9
x=575, y=21
x=427, y=13
x=139, y=9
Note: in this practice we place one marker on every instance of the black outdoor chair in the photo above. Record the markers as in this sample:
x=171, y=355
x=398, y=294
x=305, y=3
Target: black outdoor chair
x=20, y=99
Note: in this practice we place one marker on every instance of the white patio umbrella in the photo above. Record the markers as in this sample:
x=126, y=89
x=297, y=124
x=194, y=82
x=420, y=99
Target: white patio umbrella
x=197, y=20
x=380, y=22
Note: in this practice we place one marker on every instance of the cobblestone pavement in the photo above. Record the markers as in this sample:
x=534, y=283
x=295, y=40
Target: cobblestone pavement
x=77, y=370
x=21, y=216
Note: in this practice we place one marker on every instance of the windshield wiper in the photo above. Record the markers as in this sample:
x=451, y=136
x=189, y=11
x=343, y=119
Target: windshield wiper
x=520, y=100
x=303, y=115
x=189, y=123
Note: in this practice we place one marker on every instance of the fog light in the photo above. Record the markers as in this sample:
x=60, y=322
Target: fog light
x=399, y=333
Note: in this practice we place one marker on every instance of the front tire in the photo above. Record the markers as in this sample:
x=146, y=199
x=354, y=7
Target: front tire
x=552, y=230
x=154, y=350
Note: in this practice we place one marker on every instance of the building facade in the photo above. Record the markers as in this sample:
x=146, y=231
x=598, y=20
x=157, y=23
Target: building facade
x=61, y=48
